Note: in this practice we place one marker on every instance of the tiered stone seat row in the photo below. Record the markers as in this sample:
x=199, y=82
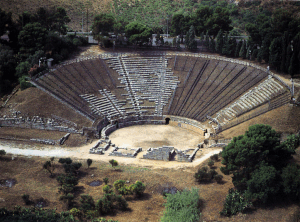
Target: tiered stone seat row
x=255, y=97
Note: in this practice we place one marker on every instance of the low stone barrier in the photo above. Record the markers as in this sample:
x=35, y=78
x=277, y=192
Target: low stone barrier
x=64, y=139
x=133, y=155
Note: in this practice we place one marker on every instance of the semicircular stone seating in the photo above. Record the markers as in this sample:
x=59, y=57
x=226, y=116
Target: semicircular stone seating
x=127, y=89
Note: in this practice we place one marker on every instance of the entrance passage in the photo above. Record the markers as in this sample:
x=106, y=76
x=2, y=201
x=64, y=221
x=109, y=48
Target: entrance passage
x=167, y=121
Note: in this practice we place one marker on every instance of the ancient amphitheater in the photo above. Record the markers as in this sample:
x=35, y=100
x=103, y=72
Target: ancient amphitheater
x=203, y=93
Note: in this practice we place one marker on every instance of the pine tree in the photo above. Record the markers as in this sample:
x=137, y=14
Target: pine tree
x=219, y=43
x=243, y=50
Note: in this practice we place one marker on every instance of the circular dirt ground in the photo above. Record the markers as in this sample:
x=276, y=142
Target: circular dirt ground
x=146, y=136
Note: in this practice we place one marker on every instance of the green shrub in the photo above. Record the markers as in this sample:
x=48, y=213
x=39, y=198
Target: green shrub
x=2, y=152
x=113, y=163
x=138, y=188
x=210, y=163
x=214, y=157
x=182, y=206
x=235, y=202
x=218, y=178
x=105, y=204
x=106, y=189
x=203, y=175
x=89, y=162
x=87, y=203
x=49, y=166
x=65, y=160
x=121, y=203
x=105, y=180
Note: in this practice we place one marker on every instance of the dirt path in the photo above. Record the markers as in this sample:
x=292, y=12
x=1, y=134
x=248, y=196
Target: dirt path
x=81, y=153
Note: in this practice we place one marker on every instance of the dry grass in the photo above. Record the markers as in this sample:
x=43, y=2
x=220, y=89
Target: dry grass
x=37, y=183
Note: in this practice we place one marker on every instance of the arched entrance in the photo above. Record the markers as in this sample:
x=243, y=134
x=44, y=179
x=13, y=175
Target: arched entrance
x=117, y=124
x=167, y=121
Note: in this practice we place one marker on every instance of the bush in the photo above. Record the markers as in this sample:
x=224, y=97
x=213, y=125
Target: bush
x=203, y=175
x=25, y=197
x=89, y=162
x=235, y=202
x=105, y=180
x=121, y=203
x=138, y=188
x=72, y=168
x=113, y=163
x=210, y=163
x=107, y=189
x=218, y=178
x=182, y=206
x=214, y=157
x=105, y=204
x=121, y=188
x=2, y=152
x=65, y=160
x=87, y=203
x=24, y=83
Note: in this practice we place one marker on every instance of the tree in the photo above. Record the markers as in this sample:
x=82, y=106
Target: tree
x=2, y=152
x=8, y=65
x=243, y=50
x=102, y=24
x=219, y=43
x=86, y=203
x=49, y=166
x=60, y=20
x=275, y=53
x=32, y=38
x=138, y=34
x=180, y=24
x=190, y=42
x=113, y=163
x=238, y=48
x=291, y=181
x=5, y=21
x=138, y=188
x=220, y=20
x=89, y=162
x=255, y=160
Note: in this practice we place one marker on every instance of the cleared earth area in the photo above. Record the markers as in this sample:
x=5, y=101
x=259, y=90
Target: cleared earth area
x=155, y=136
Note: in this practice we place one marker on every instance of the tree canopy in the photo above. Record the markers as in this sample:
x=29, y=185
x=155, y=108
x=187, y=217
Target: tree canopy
x=138, y=33
x=256, y=159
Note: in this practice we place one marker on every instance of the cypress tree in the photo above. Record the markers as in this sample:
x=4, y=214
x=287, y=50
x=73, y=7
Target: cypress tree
x=292, y=68
x=275, y=53
x=231, y=45
x=206, y=43
x=225, y=45
x=284, y=42
x=243, y=50
x=254, y=54
x=289, y=54
x=219, y=43
x=238, y=48
x=212, y=45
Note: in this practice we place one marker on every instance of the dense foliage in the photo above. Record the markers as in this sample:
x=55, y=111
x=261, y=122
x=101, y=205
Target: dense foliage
x=261, y=166
x=32, y=37
x=182, y=206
